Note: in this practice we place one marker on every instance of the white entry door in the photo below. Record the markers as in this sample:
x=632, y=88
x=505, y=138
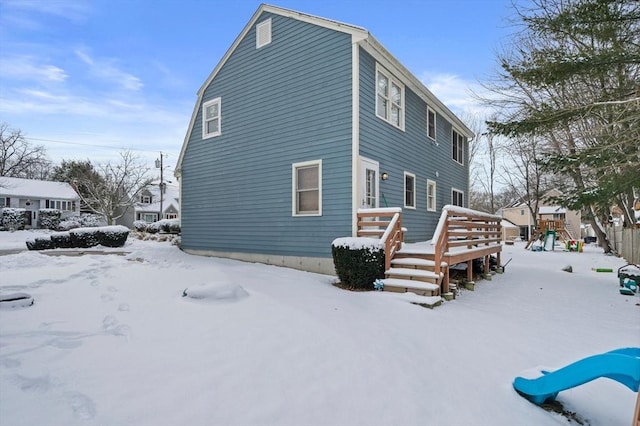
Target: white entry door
x=369, y=190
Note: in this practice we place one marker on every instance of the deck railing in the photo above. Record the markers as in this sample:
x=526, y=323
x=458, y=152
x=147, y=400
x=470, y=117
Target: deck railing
x=468, y=229
x=385, y=224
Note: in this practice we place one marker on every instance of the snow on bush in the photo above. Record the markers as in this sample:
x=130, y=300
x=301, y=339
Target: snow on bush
x=216, y=292
x=40, y=243
x=88, y=220
x=167, y=226
x=13, y=218
x=108, y=236
x=358, y=261
x=49, y=218
x=61, y=240
x=140, y=225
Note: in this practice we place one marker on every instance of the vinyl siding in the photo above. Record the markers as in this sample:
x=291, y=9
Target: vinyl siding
x=411, y=150
x=287, y=102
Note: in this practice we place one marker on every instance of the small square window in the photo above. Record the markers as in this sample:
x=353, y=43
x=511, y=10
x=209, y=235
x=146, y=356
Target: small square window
x=409, y=190
x=457, y=198
x=211, y=115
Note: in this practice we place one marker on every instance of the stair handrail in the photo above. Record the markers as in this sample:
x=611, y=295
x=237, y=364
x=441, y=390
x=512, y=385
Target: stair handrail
x=392, y=237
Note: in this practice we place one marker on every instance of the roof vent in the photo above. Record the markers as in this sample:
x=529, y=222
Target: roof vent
x=263, y=33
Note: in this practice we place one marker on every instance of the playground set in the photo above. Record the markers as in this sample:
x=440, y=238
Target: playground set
x=621, y=365
x=548, y=232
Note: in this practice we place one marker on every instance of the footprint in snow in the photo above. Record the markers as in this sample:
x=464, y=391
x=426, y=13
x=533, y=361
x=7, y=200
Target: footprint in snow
x=81, y=404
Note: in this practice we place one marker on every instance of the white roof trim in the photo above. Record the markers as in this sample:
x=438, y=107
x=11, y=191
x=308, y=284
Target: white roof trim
x=384, y=57
x=358, y=35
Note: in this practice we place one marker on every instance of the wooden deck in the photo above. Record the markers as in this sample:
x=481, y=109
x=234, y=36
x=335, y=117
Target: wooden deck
x=462, y=235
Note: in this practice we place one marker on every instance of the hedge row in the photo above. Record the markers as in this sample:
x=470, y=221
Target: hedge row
x=108, y=236
x=164, y=226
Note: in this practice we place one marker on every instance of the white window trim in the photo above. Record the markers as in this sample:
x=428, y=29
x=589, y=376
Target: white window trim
x=435, y=126
x=204, y=120
x=404, y=195
x=452, y=200
x=294, y=185
x=459, y=138
x=431, y=183
x=392, y=80
x=267, y=40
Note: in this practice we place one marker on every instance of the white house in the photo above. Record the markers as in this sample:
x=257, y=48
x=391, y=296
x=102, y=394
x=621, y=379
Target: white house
x=34, y=195
x=151, y=205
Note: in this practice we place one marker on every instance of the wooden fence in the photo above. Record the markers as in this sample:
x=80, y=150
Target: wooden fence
x=626, y=242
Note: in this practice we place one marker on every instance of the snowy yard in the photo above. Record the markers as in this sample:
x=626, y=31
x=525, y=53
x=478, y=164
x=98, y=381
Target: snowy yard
x=111, y=341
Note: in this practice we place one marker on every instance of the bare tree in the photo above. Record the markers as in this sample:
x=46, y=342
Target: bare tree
x=116, y=191
x=18, y=158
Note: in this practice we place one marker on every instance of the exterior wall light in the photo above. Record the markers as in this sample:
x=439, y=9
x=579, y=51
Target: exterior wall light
x=384, y=176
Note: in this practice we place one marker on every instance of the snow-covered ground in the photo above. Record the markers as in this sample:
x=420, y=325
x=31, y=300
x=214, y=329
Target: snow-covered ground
x=111, y=341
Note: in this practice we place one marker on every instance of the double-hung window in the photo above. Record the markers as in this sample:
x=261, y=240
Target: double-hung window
x=457, y=197
x=431, y=124
x=389, y=98
x=409, y=190
x=307, y=188
x=457, y=147
x=431, y=196
x=211, y=118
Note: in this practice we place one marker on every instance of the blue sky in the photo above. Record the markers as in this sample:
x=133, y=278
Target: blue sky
x=87, y=79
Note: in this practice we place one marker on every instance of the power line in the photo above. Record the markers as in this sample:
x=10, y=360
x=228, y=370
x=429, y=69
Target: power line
x=90, y=145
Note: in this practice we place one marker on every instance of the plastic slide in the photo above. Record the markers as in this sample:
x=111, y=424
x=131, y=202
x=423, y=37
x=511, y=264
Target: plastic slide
x=549, y=241
x=621, y=365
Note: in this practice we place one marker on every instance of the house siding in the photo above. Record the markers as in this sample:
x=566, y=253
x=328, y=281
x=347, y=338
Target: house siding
x=287, y=102
x=412, y=151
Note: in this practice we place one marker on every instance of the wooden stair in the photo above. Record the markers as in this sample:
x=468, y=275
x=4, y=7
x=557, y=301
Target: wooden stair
x=408, y=274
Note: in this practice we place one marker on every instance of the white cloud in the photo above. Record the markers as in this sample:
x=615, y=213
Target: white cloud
x=106, y=70
x=74, y=10
x=457, y=93
x=31, y=68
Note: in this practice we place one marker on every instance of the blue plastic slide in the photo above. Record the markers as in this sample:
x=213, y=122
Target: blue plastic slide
x=621, y=365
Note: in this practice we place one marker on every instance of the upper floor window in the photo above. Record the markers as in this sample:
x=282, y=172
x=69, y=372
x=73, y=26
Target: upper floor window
x=307, y=188
x=145, y=199
x=457, y=198
x=409, y=190
x=211, y=118
x=431, y=124
x=263, y=33
x=457, y=147
x=431, y=196
x=389, y=98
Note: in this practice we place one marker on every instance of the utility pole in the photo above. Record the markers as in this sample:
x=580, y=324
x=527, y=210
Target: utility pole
x=160, y=165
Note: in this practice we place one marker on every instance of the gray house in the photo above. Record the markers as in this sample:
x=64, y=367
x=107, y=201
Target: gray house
x=304, y=121
x=32, y=195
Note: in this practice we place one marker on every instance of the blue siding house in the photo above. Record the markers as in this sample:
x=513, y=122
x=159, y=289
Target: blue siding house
x=302, y=122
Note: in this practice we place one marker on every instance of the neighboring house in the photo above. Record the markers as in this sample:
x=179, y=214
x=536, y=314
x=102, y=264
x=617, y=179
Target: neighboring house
x=33, y=195
x=518, y=213
x=304, y=121
x=152, y=206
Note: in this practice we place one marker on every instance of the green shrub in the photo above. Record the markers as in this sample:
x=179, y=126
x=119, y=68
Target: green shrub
x=49, y=218
x=358, y=261
x=40, y=243
x=13, y=219
x=61, y=240
x=112, y=236
x=84, y=237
